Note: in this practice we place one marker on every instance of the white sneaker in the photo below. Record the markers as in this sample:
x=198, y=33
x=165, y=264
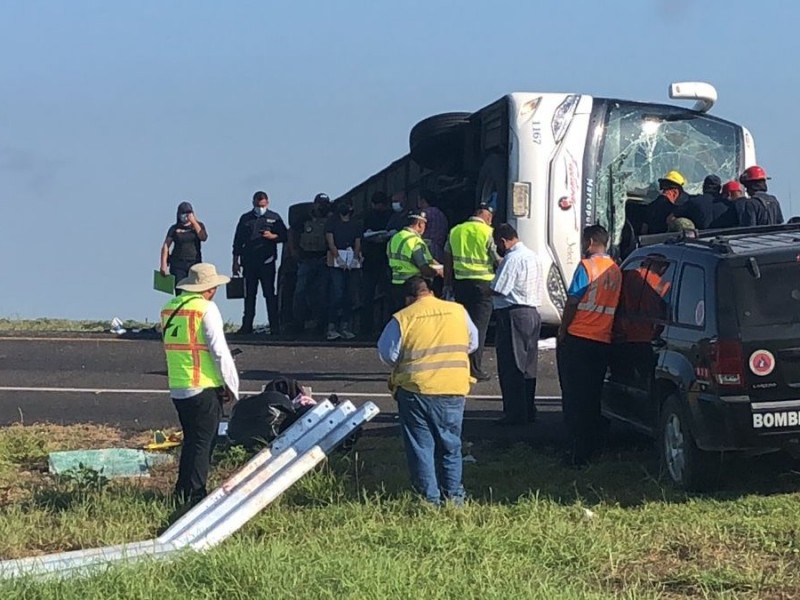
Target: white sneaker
x=346, y=333
x=332, y=333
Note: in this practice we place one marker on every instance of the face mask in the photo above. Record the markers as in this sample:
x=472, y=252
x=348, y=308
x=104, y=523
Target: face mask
x=184, y=219
x=260, y=210
x=397, y=207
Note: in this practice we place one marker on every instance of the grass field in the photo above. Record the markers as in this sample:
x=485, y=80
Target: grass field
x=46, y=325
x=352, y=530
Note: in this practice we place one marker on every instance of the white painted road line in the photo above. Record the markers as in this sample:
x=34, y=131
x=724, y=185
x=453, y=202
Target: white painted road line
x=98, y=391
x=12, y=338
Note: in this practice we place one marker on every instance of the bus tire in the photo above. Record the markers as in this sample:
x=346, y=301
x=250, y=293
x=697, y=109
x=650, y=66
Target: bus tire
x=437, y=142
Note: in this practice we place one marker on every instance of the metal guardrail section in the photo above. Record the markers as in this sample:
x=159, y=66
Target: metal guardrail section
x=261, y=461
x=265, y=477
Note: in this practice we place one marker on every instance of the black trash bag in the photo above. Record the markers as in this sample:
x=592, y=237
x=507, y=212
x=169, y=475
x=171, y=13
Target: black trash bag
x=257, y=420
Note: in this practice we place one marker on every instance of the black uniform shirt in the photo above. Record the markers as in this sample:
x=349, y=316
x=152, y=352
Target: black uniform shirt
x=186, y=244
x=248, y=241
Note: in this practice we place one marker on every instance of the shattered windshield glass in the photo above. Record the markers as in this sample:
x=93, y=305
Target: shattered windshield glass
x=642, y=142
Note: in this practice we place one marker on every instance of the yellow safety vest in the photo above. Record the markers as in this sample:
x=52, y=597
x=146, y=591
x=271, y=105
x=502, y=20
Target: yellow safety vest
x=189, y=363
x=434, y=344
x=468, y=246
x=400, y=251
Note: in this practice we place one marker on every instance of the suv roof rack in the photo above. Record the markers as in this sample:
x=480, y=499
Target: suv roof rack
x=667, y=238
x=732, y=241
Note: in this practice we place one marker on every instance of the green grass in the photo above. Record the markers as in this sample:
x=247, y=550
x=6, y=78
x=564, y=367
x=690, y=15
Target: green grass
x=352, y=530
x=46, y=325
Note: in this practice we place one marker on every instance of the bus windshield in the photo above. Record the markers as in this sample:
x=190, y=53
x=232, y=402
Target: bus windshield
x=642, y=142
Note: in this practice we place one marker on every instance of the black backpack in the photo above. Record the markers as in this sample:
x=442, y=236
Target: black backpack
x=257, y=420
x=772, y=209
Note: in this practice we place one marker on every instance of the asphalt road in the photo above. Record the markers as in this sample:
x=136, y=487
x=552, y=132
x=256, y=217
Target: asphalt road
x=100, y=379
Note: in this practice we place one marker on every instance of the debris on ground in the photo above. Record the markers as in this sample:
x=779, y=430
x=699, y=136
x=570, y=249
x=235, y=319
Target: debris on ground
x=110, y=462
x=163, y=441
x=116, y=327
x=547, y=344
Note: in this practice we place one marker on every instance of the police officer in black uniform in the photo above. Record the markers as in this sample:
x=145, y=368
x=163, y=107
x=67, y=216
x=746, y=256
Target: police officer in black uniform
x=255, y=250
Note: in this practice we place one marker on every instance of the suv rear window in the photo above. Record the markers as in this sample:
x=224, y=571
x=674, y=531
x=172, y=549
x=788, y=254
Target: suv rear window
x=692, y=297
x=772, y=299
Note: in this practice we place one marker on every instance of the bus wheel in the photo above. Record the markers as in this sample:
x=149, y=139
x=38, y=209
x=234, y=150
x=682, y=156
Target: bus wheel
x=437, y=142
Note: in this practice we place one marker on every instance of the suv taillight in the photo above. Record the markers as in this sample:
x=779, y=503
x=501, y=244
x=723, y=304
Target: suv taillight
x=727, y=363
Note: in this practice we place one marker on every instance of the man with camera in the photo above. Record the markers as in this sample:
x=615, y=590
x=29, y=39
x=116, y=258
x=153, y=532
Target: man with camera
x=255, y=251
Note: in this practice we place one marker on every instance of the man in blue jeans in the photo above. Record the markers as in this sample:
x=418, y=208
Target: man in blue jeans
x=427, y=344
x=343, y=236
x=307, y=242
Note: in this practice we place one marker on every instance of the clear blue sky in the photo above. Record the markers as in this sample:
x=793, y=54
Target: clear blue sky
x=111, y=113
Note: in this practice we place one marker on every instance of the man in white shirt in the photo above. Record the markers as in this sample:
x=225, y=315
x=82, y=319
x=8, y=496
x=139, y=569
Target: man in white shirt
x=201, y=373
x=517, y=292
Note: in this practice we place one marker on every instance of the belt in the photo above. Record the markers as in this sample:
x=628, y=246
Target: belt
x=516, y=307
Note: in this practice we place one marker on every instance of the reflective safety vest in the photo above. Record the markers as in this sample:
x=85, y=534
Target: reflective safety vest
x=434, y=344
x=645, y=309
x=595, y=317
x=189, y=363
x=468, y=245
x=400, y=251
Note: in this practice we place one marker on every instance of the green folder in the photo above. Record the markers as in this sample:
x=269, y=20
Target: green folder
x=163, y=283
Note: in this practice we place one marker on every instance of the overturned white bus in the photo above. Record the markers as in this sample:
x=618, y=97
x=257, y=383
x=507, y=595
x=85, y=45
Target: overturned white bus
x=554, y=162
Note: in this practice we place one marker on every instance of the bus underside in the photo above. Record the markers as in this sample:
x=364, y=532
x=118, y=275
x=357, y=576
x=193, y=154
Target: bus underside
x=461, y=157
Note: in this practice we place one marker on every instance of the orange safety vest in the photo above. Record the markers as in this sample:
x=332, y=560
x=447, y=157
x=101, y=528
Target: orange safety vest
x=643, y=302
x=594, y=319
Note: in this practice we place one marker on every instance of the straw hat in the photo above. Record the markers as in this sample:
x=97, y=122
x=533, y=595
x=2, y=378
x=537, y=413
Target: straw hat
x=202, y=277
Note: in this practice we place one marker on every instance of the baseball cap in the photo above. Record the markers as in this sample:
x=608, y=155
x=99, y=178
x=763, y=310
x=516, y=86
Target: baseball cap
x=319, y=198
x=486, y=206
x=419, y=215
x=712, y=181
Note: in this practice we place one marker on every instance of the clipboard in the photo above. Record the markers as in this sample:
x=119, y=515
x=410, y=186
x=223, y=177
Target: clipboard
x=164, y=283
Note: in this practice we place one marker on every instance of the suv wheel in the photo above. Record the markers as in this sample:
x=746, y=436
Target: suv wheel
x=687, y=466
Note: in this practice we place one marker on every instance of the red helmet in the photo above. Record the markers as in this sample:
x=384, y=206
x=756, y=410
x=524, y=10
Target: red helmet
x=731, y=186
x=754, y=173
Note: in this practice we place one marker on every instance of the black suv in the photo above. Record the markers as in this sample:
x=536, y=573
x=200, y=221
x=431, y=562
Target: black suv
x=706, y=352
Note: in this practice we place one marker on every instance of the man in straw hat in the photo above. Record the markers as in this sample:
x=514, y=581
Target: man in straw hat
x=201, y=373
